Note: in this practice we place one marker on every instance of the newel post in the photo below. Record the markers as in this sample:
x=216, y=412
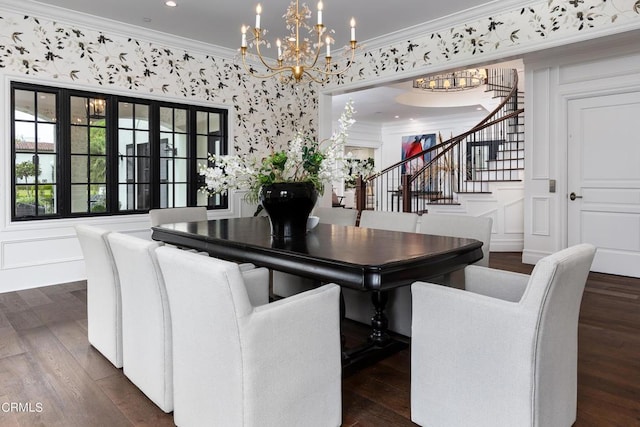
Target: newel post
x=361, y=194
x=406, y=193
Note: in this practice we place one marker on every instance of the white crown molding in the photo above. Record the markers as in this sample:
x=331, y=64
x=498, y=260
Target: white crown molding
x=105, y=25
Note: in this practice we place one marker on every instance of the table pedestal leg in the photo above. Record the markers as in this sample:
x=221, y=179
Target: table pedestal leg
x=379, y=321
x=380, y=343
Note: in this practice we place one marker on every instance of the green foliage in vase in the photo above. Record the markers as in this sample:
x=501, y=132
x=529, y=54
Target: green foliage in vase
x=304, y=160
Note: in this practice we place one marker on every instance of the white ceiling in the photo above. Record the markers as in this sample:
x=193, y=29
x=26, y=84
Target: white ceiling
x=218, y=23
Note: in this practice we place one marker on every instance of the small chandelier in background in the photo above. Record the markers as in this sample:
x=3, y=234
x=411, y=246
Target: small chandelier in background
x=297, y=53
x=452, y=82
x=96, y=107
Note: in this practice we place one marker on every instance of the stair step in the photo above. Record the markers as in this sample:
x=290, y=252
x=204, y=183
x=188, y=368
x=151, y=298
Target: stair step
x=505, y=164
x=498, y=175
x=475, y=187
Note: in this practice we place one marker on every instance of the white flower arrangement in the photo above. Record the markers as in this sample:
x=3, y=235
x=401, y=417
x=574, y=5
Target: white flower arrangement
x=305, y=160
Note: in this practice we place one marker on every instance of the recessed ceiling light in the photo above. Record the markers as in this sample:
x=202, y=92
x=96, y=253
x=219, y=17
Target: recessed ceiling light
x=397, y=117
x=171, y=3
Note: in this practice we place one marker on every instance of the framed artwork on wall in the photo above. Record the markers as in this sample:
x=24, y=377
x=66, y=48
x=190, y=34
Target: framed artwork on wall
x=414, y=144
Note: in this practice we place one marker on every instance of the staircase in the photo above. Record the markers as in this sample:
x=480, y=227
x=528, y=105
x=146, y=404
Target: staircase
x=492, y=151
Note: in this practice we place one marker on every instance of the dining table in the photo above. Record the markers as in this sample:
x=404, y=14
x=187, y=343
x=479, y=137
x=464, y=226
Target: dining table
x=364, y=259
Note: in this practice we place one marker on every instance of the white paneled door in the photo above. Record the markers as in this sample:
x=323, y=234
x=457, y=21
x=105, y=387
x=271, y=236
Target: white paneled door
x=604, y=180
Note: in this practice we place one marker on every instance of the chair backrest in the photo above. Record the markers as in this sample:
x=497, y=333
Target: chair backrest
x=146, y=318
x=394, y=221
x=104, y=317
x=171, y=215
x=336, y=216
x=554, y=294
x=206, y=294
x=473, y=227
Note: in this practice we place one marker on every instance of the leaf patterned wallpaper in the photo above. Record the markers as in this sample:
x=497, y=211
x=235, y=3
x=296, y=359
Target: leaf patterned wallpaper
x=265, y=111
x=538, y=23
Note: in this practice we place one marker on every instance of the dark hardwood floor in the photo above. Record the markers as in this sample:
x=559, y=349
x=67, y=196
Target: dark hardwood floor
x=48, y=368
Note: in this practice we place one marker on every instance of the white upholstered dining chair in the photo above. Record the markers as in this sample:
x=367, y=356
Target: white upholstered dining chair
x=465, y=226
x=394, y=221
x=146, y=318
x=336, y=216
x=183, y=214
x=237, y=365
x=503, y=352
x=104, y=318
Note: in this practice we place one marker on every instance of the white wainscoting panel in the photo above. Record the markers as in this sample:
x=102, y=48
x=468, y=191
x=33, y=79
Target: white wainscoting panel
x=540, y=216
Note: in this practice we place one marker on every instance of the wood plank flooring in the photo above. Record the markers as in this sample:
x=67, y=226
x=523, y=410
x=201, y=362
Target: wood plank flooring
x=48, y=367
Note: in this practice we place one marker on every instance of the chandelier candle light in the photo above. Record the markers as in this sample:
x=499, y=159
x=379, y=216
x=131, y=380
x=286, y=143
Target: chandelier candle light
x=297, y=53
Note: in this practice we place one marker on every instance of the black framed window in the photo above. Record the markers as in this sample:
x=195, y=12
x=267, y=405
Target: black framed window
x=78, y=153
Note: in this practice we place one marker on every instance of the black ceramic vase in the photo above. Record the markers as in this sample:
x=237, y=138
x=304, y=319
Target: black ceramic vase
x=288, y=205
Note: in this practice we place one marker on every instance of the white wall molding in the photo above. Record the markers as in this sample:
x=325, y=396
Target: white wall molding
x=121, y=29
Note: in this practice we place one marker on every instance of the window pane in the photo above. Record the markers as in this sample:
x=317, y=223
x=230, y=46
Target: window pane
x=180, y=170
x=79, y=171
x=214, y=122
x=97, y=198
x=47, y=137
x=142, y=143
x=47, y=107
x=25, y=104
x=125, y=115
x=79, y=197
x=98, y=141
x=144, y=196
x=166, y=144
x=97, y=111
x=79, y=140
x=125, y=142
x=25, y=136
x=180, y=147
x=47, y=198
x=78, y=110
x=180, y=195
x=201, y=147
x=26, y=201
x=166, y=118
x=180, y=124
x=47, y=168
x=201, y=123
x=25, y=169
x=166, y=196
x=142, y=116
x=98, y=169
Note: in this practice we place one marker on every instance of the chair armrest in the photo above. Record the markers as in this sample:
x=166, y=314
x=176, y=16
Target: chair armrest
x=501, y=284
x=291, y=348
x=256, y=281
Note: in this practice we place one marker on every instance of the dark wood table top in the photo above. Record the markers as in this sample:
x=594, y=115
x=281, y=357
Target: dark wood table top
x=355, y=257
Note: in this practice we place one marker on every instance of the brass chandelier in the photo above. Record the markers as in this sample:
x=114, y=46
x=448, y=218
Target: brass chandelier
x=297, y=53
x=452, y=82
